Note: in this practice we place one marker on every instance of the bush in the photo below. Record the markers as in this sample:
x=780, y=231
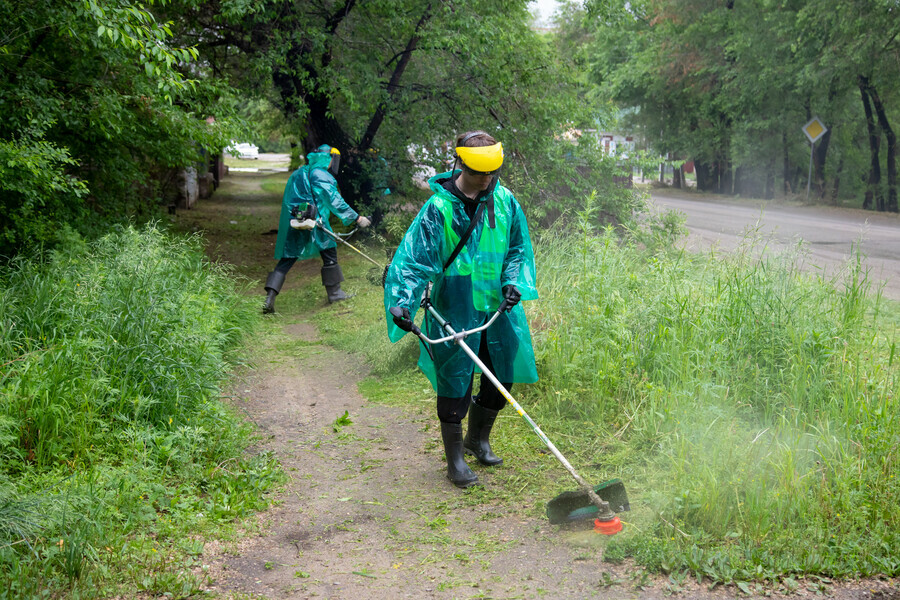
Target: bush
x=110, y=420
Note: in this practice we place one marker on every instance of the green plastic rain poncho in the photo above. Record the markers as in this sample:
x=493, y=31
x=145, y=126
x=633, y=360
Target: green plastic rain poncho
x=469, y=290
x=311, y=183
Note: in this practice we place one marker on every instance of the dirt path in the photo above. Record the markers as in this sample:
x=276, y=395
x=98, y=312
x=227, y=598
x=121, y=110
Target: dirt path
x=367, y=512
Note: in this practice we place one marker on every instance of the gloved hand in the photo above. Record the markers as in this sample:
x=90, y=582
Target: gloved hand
x=363, y=222
x=401, y=318
x=512, y=296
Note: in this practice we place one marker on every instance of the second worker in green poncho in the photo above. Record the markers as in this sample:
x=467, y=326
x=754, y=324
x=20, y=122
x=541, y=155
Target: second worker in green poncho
x=470, y=280
x=313, y=184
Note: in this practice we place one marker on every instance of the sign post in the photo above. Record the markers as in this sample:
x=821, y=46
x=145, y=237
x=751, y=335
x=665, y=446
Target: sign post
x=813, y=131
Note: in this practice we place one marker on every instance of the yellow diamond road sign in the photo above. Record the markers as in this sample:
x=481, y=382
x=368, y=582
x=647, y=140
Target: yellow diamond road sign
x=814, y=130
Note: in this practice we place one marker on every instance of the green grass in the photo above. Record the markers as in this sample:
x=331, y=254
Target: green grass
x=112, y=429
x=750, y=408
x=273, y=187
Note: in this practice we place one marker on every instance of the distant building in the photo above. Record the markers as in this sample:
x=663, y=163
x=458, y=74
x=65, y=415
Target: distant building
x=613, y=143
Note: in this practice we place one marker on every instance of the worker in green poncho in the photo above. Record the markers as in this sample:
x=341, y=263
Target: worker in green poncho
x=311, y=196
x=470, y=241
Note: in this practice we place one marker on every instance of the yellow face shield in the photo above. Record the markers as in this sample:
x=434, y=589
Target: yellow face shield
x=335, y=165
x=483, y=159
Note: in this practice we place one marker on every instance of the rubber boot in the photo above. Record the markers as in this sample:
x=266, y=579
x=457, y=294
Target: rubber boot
x=332, y=276
x=481, y=421
x=273, y=285
x=269, y=304
x=336, y=294
x=457, y=470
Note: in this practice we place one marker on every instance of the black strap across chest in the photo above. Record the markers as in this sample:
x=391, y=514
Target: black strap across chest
x=466, y=235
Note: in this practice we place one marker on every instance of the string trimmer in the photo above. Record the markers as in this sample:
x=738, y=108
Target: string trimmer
x=305, y=217
x=568, y=506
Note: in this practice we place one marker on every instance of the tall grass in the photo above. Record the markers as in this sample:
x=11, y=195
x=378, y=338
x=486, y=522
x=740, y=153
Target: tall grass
x=111, y=361
x=751, y=407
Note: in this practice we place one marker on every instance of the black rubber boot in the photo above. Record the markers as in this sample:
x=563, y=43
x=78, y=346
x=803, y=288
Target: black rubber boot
x=332, y=276
x=457, y=470
x=269, y=304
x=481, y=421
x=336, y=294
x=273, y=285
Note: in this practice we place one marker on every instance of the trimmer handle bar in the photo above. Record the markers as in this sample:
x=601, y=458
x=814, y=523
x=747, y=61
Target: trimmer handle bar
x=606, y=516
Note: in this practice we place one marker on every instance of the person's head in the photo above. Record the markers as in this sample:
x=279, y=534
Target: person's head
x=480, y=156
x=335, y=164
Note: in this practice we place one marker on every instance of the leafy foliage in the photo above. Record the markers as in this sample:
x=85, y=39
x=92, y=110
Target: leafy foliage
x=399, y=78
x=96, y=104
x=730, y=84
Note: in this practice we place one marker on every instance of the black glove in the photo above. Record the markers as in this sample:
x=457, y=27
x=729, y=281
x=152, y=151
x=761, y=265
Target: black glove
x=512, y=296
x=401, y=318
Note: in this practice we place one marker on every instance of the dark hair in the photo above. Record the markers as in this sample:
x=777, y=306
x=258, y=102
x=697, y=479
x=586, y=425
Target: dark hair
x=474, y=139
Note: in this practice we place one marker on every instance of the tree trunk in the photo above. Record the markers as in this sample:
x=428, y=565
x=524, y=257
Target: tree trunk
x=292, y=82
x=394, y=83
x=726, y=182
x=837, y=183
x=799, y=175
x=786, y=165
x=820, y=152
x=321, y=126
x=872, y=198
x=770, y=180
x=891, y=139
x=707, y=180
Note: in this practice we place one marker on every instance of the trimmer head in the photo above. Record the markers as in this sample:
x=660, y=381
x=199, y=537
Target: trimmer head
x=574, y=506
x=611, y=527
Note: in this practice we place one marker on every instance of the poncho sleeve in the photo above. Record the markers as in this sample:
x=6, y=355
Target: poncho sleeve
x=417, y=261
x=518, y=265
x=325, y=188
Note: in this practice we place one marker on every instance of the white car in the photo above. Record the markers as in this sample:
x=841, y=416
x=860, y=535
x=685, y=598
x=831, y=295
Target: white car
x=244, y=150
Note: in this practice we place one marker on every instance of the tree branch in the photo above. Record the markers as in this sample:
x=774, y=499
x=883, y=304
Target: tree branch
x=394, y=84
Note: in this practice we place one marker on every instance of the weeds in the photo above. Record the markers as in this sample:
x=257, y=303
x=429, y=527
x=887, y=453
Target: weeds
x=111, y=423
x=756, y=402
x=750, y=408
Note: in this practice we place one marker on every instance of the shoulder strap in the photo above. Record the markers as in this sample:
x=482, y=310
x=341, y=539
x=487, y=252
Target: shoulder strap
x=465, y=236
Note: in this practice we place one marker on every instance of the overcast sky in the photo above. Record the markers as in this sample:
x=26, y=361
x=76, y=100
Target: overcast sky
x=545, y=7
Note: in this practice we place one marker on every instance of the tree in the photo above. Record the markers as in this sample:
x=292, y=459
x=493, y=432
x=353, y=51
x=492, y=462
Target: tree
x=730, y=83
x=361, y=74
x=866, y=52
x=95, y=103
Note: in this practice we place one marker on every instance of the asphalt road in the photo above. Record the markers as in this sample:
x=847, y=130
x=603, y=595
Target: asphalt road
x=828, y=234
